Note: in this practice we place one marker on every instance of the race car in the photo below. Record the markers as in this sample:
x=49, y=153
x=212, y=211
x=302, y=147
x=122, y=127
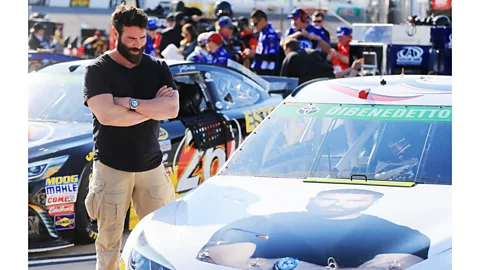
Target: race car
x=344, y=174
x=39, y=59
x=219, y=107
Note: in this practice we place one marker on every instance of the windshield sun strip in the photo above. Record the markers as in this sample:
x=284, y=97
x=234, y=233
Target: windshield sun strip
x=360, y=182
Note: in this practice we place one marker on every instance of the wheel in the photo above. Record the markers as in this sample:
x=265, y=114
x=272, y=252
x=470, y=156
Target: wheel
x=86, y=229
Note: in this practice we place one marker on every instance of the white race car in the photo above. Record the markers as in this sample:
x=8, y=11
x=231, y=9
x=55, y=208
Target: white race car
x=344, y=174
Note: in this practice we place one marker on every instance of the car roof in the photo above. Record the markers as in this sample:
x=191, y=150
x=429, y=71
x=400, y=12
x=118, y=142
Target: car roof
x=85, y=62
x=79, y=65
x=421, y=90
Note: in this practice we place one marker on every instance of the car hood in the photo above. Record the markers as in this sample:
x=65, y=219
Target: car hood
x=41, y=133
x=282, y=218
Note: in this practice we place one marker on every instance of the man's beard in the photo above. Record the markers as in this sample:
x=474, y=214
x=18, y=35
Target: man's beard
x=126, y=52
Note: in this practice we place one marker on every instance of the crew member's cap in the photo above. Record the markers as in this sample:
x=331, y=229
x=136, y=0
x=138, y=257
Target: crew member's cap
x=298, y=13
x=242, y=21
x=225, y=21
x=342, y=30
x=202, y=39
x=38, y=26
x=152, y=24
x=170, y=17
x=179, y=16
x=214, y=37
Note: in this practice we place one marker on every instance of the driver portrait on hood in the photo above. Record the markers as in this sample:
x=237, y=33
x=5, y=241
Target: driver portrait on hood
x=333, y=232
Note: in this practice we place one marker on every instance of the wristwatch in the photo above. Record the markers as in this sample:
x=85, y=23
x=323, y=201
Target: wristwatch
x=133, y=104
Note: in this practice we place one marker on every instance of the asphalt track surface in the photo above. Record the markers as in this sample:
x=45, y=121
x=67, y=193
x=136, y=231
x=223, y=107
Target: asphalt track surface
x=79, y=257
x=82, y=257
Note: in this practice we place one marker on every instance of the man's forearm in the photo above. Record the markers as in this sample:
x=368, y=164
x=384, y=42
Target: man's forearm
x=122, y=117
x=159, y=108
x=343, y=58
x=323, y=45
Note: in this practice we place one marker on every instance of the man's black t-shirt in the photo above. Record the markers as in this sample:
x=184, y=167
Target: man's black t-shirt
x=307, y=64
x=134, y=148
x=310, y=238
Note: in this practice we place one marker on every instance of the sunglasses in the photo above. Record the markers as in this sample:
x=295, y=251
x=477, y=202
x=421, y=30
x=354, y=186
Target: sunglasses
x=254, y=23
x=318, y=21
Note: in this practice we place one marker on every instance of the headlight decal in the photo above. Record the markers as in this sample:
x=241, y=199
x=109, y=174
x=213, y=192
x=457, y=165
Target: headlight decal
x=143, y=257
x=42, y=169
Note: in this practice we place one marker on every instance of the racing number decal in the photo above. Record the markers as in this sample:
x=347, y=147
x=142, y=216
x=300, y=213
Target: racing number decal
x=195, y=166
x=213, y=160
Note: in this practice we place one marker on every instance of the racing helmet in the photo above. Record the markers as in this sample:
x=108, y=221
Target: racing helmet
x=223, y=8
x=441, y=20
x=299, y=13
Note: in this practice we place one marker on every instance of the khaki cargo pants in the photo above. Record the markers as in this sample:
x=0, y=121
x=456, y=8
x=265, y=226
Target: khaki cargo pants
x=108, y=199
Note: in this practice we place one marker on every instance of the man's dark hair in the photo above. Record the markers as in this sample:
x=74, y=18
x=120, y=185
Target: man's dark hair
x=293, y=44
x=258, y=15
x=125, y=15
x=319, y=13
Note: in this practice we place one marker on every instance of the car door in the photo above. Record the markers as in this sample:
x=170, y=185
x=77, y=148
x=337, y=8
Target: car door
x=197, y=138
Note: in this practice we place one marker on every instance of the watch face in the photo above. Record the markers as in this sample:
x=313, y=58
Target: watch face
x=134, y=103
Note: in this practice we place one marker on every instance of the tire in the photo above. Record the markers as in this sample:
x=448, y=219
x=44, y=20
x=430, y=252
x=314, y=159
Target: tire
x=85, y=229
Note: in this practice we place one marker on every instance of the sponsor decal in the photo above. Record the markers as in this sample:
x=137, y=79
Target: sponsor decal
x=61, y=199
x=208, y=77
x=64, y=222
x=79, y=3
x=89, y=157
x=40, y=197
x=368, y=112
x=307, y=110
x=186, y=68
x=61, y=189
x=61, y=180
x=254, y=118
x=286, y=264
x=63, y=209
x=163, y=134
x=410, y=55
x=165, y=145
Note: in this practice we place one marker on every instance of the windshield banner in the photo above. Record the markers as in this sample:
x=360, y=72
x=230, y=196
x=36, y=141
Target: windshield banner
x=368, y=112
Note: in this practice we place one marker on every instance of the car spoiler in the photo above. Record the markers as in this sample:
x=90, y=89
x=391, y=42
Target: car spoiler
x=281, y=85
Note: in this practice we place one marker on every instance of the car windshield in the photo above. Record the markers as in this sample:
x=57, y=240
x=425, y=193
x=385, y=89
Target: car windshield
x=401, y=143
x=57, y=96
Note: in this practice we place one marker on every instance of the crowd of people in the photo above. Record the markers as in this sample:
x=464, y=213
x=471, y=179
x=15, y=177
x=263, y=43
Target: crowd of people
x=304, y=51
x=93, y=46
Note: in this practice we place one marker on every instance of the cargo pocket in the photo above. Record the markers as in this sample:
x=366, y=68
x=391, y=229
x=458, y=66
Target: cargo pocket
x=94, y=197
x=161, y=195
x=114, y=205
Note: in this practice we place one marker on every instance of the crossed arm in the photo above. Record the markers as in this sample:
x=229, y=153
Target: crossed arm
x=321, y=43
x=115, y=111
